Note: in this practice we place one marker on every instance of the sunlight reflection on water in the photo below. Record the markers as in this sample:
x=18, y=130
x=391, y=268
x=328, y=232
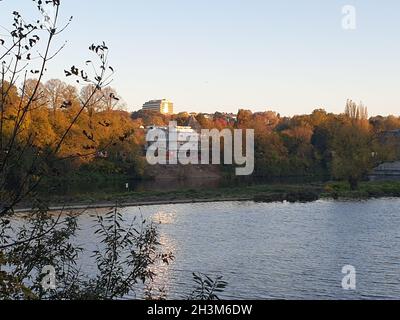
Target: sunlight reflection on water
x=278, y=250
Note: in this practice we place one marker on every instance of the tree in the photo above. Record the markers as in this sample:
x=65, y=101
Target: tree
x=126, y=258
x=244, y=119
x=55, y=91
x=271, y=155
x=29, y=151
x=356, y=112
x=352, y=154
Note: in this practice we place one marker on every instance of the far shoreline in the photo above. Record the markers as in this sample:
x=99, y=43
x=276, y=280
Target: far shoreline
x=136, y=204
x=267, y=193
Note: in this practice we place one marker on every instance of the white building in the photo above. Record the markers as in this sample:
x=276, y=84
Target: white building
x=163, y=106
x=183, y=136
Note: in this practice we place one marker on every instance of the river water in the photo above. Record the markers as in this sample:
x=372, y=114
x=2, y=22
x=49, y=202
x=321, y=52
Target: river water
x=277, y=250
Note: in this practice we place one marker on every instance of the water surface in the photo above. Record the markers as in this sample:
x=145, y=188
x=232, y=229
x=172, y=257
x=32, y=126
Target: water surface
x=278, y=250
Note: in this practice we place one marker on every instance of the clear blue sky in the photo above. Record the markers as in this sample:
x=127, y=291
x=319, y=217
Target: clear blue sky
x=290, y=56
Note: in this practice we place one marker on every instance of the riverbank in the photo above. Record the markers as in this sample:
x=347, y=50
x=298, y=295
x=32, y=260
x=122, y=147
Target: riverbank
x=366, y=190
x=259, y=193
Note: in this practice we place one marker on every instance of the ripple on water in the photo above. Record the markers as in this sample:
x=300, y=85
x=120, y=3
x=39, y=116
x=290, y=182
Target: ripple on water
x=279, y=250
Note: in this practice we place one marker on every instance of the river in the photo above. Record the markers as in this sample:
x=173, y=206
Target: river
x=277, y=250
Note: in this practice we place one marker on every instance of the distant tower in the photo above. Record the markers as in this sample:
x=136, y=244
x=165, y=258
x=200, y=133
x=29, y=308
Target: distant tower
x=163, y=106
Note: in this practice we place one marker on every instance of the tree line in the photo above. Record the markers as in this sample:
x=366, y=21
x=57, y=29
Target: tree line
x=107, y=139
x=338, y=146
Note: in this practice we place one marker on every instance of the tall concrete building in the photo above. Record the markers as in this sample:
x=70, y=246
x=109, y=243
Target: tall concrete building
x=163, y=106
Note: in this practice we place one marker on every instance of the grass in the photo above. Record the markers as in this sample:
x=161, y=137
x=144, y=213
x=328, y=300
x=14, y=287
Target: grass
x=366, y=190
x=259, y=193
x=265, y=193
